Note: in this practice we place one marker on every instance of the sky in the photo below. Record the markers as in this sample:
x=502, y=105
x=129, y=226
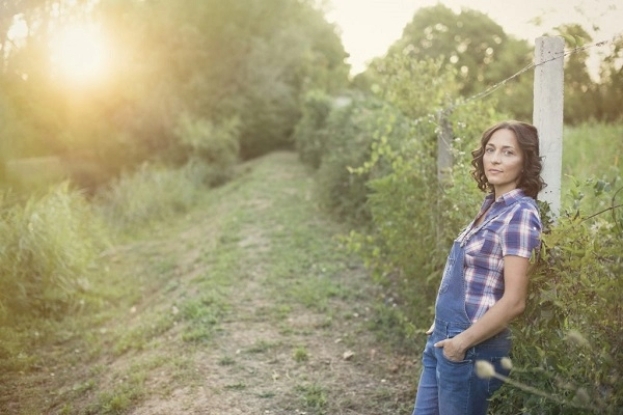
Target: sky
x=369, y=27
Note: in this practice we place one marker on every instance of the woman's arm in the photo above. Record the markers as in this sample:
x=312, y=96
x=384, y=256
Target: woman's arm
x=509, y=306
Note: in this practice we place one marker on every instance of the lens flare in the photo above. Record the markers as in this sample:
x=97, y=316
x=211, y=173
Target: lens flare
x=80, y=54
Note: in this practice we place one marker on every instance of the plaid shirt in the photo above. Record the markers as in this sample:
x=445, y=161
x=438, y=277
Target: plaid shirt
x=511, y=227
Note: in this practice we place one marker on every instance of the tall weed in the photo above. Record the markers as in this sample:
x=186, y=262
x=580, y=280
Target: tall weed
x=149, y=194
x=49, y=245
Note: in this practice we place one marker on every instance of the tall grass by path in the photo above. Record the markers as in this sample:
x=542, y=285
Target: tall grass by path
x=49, y=247
x=148, y=195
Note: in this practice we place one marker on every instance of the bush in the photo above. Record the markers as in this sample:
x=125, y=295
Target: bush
x=49, y=245
x=216, y=145
x=575, y=298
x=310, y=133
x=149, y=194
x=352, y=131
x=568, y=353
x=415, y=214
x=415, y=217
x=569, y=342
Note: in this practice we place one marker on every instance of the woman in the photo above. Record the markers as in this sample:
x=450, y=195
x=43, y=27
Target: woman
x=485, y=281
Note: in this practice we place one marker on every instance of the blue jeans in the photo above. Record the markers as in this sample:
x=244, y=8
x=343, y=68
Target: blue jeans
x=453, y=388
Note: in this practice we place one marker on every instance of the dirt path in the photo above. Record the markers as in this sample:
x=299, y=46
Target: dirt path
x=294, y=337
x=248, y=305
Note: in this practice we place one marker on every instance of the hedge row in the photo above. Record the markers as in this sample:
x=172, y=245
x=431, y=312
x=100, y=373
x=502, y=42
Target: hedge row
x=376, y=168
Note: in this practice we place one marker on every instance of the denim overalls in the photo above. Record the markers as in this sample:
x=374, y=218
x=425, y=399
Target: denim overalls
x=453, y=388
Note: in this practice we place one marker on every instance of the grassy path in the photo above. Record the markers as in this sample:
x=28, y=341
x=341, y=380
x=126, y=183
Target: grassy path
x=248, y=305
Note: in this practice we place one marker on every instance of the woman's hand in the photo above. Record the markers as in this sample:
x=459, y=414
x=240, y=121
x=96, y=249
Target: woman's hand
x=452, y=349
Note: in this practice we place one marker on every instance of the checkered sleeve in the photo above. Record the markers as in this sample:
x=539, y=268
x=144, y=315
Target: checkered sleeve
x=523, y=234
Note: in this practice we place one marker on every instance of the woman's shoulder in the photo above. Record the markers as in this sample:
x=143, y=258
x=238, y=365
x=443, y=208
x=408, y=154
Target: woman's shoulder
x=526, y=202
x=526, y=210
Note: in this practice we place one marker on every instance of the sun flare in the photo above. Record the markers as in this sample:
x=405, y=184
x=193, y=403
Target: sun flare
x=79, y=54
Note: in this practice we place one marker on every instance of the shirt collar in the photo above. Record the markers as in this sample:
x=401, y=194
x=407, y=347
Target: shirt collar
x=508, y=198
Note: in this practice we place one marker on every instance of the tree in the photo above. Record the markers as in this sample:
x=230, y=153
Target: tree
x=470, y=41
x=211, y=60
x=220, y=59
x=611, y=86
x=479, y=50
x=580, y=90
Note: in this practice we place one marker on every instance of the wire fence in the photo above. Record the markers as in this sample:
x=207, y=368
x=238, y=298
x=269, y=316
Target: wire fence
x=490, y=90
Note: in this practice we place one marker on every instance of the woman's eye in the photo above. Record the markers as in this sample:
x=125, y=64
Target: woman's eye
x=508, y=153
x=488, y=150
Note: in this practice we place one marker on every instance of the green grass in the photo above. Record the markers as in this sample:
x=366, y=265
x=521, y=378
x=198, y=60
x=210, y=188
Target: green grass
x=592, y=167
x=49, y=253
x=227, y=361
x=262, y=346
x=314, y=397
x=148, y=195
x=300, y=354
x=236, y=386
x=202, y=316
x=592, y=150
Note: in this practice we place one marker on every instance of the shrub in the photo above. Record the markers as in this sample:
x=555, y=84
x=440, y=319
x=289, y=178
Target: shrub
x=568, y=349
x=48, y=247
x=216, y=145
x=310, y=133
x=415, y=214
x=568, y=342
x=575, y=299
x=352, y=130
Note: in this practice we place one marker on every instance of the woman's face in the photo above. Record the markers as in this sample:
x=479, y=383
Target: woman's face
x=503, y=161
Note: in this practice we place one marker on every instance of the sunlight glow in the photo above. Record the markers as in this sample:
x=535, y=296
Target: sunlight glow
x=80, y=54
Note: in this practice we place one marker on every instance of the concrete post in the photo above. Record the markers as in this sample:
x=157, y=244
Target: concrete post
x=548, y=114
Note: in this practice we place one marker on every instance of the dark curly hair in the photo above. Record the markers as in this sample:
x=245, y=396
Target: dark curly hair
x=527, y=136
